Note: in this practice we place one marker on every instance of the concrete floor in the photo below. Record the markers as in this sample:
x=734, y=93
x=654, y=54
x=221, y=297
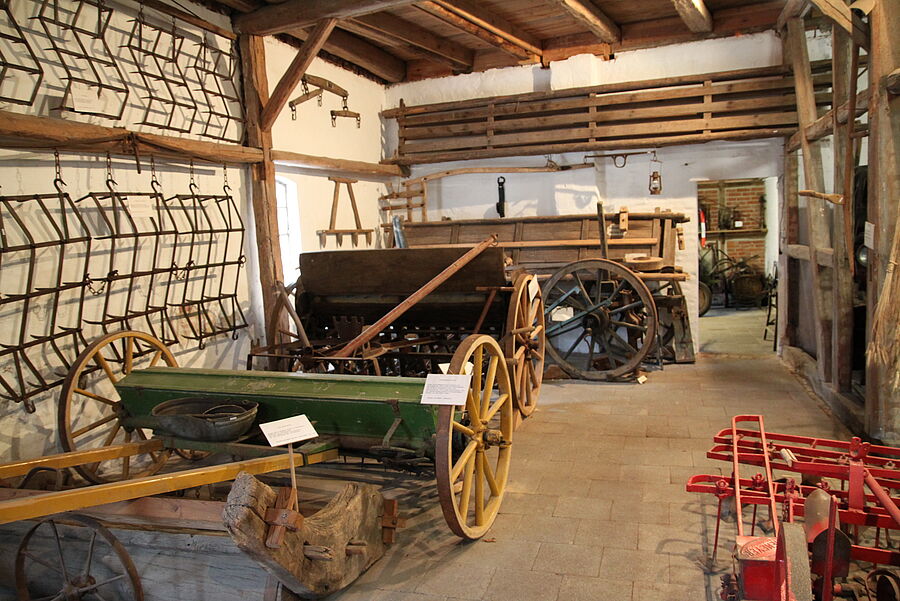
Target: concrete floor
x=596, y=507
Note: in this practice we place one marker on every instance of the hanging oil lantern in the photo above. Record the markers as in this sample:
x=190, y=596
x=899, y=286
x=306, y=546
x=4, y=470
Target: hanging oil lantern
x=655, y=175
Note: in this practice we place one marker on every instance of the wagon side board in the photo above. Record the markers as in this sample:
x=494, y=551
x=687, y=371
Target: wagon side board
x=356, y=411
x=354, y=514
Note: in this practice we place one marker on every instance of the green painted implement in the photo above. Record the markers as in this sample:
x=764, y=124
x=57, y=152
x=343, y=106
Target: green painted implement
x=364, y=414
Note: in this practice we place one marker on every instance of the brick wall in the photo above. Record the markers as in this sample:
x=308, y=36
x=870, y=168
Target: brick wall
x=744, y=199
x=741, y=198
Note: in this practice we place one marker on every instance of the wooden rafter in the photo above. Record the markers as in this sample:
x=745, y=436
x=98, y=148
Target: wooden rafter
x=593, y=18
x=295, y=72
x=361, y=53
x=448, y=16
x=387, y=27
x=694, y=14
x=493, y=23
x=293, y=14
x=792, y=9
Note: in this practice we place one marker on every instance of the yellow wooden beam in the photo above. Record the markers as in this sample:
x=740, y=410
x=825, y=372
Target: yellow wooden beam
x=69, y=500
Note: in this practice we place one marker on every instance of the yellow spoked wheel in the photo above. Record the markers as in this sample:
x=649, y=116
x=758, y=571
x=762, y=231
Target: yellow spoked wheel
x=525, y=339
x=474, y=442
x=90, y=412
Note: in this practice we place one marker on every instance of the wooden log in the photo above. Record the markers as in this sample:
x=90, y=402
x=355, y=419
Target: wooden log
x=354, y=514
x=361, y=169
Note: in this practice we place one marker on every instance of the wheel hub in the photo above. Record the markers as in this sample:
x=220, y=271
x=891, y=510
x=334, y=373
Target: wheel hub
x=597, y=320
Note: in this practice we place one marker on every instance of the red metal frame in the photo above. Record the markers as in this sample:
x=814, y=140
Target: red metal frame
x=858, y=465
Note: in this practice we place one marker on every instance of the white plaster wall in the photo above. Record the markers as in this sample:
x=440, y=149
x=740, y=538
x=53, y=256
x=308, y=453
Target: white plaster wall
x=773, y=225
x=312, y=133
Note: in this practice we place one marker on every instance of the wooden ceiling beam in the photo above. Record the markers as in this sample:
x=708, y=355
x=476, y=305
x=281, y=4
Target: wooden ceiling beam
x=308, y=51
x=791, y=10
x=841, y=15
x=361, y=53
x=694, y=14
x=493, y=23
x=386, y=25
x=293, y=14
x=652, y=34
x=448, y=16
x=593, y=18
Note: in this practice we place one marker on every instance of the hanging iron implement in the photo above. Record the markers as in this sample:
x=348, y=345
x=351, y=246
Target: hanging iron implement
x=501, y=196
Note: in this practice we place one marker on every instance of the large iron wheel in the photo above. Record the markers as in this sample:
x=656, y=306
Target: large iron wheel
x=90, y=412
x=103, y=571
x=704, y=296
x=474, y=442
x=601, y=319
x=525, y=339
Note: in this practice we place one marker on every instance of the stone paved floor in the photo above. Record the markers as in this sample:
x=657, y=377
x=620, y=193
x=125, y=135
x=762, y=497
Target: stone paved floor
x=596, y=507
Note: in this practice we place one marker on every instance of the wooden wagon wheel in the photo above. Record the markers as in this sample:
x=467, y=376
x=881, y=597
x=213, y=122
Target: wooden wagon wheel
x=601, y=319
x=90, y=413
x=474, y=442
x=525, y=340
x=104, y=569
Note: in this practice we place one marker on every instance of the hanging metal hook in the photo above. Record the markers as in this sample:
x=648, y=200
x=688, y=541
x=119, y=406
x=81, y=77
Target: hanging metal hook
x=110, y=182
x=154, y=182
x=58, y=181
x=226, y=189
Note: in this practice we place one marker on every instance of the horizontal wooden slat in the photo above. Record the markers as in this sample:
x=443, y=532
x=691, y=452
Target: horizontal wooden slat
x=604, y=131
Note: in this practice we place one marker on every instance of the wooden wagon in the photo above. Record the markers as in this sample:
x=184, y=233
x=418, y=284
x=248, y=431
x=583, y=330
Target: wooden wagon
x=630, y=264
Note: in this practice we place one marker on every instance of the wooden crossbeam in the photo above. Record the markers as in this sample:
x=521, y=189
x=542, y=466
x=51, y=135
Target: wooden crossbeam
x=824, y=125
x=493, y=23
x=361, y=53
x=295, y=72
x=293, y=14
x=792, y=9
x=589, y=15
x=694, y=14
x=451, y=17
x=396, y=30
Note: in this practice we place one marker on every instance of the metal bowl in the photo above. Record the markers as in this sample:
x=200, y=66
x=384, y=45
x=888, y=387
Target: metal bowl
x=206, y=419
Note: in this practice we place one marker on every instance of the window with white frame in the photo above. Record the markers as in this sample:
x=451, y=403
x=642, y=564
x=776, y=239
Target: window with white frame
x=288, y=206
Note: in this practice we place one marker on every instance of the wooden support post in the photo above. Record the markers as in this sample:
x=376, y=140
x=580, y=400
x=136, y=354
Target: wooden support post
x=883, y=358
x=265, y=212
x=790, y=226
x=814, y=179
x=842, y=332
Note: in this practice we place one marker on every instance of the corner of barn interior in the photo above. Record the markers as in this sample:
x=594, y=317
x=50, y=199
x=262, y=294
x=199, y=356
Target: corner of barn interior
x=454, y=299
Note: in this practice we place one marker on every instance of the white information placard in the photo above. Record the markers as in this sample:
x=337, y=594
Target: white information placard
x=441, y=389
x=533, y=288
x=288, y=430
x=869, y=235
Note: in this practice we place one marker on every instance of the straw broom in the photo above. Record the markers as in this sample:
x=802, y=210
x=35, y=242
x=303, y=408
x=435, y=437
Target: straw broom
x=884, y=348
